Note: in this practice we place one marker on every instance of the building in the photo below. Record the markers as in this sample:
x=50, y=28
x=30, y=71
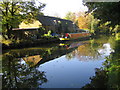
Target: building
x=53, y=24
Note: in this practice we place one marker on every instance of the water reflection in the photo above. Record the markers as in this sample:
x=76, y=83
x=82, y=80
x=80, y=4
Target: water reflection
x=72, y=70
x=107, y=76
x=19, y=66
x=66, y=65
x=31, y=60
x=17, y=74
x=86, y=52
x=62, y=73
x=106, y=49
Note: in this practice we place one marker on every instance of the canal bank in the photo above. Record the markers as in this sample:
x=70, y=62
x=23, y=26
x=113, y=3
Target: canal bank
x=39, y=42
x=29, y=43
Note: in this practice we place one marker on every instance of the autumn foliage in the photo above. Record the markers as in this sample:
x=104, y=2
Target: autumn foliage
x=84, y=21
x=81, y=19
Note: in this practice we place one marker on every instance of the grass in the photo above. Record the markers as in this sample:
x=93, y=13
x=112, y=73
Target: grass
x=7, y=42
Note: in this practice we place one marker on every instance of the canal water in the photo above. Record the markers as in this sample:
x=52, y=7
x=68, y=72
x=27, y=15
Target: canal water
x=60, y=65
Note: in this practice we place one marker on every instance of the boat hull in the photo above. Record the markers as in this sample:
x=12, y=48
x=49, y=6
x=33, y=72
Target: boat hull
x=78, y=35
x=64, y=39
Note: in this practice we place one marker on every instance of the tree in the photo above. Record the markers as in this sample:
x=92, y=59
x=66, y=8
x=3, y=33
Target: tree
x=71, y=16
x=15, y=12
x=105, y=11
x=84, y=21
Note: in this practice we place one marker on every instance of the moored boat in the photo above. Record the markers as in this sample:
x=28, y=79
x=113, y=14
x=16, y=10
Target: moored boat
x=71, y=36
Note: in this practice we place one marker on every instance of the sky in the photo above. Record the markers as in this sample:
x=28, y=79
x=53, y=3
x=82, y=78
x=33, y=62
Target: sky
x=61, y=7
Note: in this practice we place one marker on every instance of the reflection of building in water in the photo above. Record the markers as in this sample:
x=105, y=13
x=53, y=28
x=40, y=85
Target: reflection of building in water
x=32, y=60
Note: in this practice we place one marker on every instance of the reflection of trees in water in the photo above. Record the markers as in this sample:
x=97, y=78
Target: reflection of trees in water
x=89, y=51
x=17, y=75
x=45, y=54
x=84, y=53
x=108, y=76
x=99, y=80
x=113, y=66
x=20, y=69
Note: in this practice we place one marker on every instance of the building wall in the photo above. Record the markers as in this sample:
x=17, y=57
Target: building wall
x=25, y=34
x=34, y=24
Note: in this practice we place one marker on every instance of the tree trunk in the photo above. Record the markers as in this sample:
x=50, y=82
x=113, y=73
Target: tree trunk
x=9, y=30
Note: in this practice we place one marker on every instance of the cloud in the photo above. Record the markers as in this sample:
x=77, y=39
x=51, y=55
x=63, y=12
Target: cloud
x=61, y=7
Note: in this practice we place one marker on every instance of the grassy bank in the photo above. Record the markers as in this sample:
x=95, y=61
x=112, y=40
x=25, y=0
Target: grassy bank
x=12, y=44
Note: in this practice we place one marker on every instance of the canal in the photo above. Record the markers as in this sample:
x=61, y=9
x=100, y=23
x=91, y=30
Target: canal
x=61, y=65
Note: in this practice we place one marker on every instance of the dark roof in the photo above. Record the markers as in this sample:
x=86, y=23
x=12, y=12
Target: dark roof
x=45, y=20
x=49, y=21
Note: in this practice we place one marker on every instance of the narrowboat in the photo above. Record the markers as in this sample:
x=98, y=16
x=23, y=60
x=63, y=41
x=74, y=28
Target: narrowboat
x=72, y=36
